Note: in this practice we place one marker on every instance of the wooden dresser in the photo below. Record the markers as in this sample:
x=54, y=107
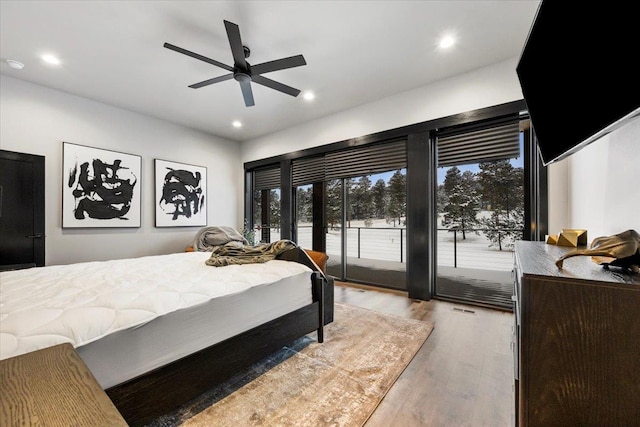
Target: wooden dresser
x=53, y=387
x=576, y=341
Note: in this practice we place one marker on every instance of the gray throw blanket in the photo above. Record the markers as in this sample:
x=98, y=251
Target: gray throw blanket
x=210, y=237
x=231, y=254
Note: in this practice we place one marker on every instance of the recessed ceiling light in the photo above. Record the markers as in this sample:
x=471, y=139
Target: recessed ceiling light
x=50, y=59
x=447, y=42
x=309, y=96
x=15, y=64
x=236, y=124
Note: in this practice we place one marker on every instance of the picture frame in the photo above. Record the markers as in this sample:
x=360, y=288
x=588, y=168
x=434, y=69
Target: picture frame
x=100, y=188
x=180, y=194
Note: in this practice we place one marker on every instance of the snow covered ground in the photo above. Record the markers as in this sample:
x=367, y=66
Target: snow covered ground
x=382, y=241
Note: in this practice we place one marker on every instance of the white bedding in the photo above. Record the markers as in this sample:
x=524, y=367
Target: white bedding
x=81, y=303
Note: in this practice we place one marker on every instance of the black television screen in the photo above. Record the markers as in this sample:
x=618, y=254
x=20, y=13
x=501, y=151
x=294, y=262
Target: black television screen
x=578, y=73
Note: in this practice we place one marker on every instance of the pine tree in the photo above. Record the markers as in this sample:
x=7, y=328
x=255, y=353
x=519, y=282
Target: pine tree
x=460, y=212
x=348, y=183
x=379, y=197
x=274, y=209
x=441, y=198
x=257, y=208
x=503, y=193
x=361, y=199
x=397, y=207
x=304, y=204
x=333, y=210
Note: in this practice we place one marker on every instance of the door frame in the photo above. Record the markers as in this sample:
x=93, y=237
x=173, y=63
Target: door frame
x=38, y=201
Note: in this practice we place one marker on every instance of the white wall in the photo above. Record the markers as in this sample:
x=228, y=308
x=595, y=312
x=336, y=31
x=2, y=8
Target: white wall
x=485, y=87
x=558, y=196
x=604, y=184
x=36, y=120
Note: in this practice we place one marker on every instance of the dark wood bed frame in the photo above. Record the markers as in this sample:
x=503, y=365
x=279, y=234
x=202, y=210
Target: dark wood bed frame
x=146, y=397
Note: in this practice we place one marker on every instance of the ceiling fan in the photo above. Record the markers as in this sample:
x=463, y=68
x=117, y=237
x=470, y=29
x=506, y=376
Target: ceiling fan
x=242, y=71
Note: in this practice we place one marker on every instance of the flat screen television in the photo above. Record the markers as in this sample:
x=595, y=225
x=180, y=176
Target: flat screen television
x=578, y=73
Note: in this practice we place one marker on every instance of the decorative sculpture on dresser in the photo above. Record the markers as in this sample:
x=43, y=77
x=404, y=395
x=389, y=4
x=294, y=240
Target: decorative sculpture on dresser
x=619, y=250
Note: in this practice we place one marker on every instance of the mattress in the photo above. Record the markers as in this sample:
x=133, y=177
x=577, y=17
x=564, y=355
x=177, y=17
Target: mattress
x=135, y=309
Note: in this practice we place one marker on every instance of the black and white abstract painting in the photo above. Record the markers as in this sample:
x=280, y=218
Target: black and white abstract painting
x=101, y=188
x=181, y=191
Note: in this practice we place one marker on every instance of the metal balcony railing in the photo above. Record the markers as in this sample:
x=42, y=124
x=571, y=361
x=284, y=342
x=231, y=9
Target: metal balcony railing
x=389, y=244
x=456, y=231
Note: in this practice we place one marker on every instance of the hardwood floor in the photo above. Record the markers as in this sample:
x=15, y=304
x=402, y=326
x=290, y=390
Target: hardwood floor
x=462, y=375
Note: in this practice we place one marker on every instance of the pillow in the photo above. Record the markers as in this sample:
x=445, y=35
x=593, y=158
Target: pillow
x=320, y=258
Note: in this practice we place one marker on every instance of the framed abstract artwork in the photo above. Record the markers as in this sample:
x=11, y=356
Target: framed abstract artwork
x=100, y=188
x=180, y=194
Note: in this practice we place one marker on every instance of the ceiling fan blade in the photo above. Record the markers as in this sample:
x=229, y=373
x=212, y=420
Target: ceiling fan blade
x=197, y=56
x=211, y=81
x=278, y=64
x=247, y=93
x=233, y=33
x=275, y=85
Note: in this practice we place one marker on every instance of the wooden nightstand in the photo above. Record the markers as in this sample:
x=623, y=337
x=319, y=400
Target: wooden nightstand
x=53, y=387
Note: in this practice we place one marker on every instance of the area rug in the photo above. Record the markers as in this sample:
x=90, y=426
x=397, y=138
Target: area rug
x=337, y=383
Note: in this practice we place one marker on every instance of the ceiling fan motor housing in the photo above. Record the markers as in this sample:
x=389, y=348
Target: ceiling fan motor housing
x=241, y=77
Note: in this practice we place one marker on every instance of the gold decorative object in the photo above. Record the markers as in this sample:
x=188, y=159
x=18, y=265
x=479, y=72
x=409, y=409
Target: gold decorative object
x=572, y=237
x=552, y=239
x=620, y=250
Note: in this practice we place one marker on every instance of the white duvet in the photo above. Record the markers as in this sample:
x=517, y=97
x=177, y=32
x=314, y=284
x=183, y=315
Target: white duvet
x=80, y=303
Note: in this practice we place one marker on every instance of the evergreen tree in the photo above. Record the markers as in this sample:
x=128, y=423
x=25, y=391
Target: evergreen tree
x=502, y=229
x=503, y=193
x=361, y=199
x=333, y=209
x=304, y=204
x=379, y=197
x=397, y=207
x=441, y=198
x=257, y=208
x=464, y=201
x=501, y=185
x=452, y=180
x=348, y=183
x=274, y=209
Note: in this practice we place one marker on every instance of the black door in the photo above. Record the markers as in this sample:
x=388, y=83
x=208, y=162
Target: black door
x=21, y=210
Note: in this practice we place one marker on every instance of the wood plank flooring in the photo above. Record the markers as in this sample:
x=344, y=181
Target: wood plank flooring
x=462, y=375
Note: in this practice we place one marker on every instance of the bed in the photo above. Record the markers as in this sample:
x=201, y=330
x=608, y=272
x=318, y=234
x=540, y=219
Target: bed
x=157, y=331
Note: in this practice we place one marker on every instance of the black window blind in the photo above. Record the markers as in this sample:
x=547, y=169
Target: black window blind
x=366, y=160
x=307, y=170
x=501, y=141
x=267, y=178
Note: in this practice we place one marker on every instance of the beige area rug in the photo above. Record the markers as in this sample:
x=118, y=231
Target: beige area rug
x=337, y=383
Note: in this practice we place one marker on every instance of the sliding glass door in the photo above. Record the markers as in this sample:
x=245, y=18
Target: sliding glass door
x=366, y=228
x=376, y=229
x=480, y=214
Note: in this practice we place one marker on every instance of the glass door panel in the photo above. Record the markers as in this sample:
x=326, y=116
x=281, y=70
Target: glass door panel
x=333, y=234
x=266, y=215
x=376, y=229
x=480, y=215
x=304, y=216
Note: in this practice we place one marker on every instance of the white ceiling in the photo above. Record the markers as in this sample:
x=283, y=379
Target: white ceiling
x=356, y=52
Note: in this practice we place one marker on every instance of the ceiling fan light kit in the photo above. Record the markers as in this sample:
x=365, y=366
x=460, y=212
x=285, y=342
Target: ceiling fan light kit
x=243, y=72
